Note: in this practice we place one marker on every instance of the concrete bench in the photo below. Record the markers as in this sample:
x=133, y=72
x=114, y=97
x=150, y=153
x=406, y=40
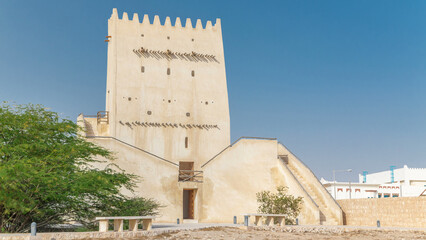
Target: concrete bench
x=118, y=223
x=270, y=218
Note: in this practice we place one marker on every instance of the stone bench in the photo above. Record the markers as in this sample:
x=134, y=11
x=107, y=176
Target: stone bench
x=118, y=223
x=269, y=219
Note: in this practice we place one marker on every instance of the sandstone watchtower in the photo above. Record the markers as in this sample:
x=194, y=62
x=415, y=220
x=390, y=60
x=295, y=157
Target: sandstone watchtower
x=167, y=120
x=166, y=87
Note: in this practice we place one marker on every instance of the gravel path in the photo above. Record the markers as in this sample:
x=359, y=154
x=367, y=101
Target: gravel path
x=211, y=231
x=296, y=233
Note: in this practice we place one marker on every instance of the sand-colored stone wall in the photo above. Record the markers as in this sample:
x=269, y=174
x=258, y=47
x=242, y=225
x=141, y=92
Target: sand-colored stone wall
x=229, y=186
x=232, y=180
x=392, y=212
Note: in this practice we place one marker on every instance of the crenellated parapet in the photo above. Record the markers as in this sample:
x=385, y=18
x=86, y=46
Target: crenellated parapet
x=167, y=22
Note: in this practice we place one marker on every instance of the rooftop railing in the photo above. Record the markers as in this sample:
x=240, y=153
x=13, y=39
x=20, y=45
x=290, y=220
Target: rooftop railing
x=190, y=176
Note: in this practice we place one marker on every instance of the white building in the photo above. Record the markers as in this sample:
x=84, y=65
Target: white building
x=401, y=182
x=348, y=190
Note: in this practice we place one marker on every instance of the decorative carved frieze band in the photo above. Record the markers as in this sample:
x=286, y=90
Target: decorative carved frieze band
x=171, y=125
x=169, y=55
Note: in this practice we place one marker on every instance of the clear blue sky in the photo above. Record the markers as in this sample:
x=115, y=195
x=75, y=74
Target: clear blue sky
x=341, y=83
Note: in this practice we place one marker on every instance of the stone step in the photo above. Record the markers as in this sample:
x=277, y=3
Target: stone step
x=318, y=199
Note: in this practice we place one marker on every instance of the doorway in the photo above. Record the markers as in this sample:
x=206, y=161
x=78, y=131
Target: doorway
x=188, y=203
x=186, y=171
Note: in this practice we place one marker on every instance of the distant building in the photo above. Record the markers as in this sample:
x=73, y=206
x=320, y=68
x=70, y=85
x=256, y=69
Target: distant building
x=348, y=190
x=401, y=182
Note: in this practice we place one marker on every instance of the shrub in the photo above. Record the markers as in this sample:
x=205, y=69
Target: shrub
x=279, y=203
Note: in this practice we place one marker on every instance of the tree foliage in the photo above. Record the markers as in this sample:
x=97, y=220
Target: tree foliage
x=279, y=203
x=47, y=174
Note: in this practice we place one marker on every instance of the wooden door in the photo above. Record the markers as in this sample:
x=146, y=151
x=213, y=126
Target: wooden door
x=191, y=204
x=188, y=203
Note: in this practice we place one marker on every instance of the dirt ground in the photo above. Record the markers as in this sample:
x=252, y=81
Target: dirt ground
x=266, y=234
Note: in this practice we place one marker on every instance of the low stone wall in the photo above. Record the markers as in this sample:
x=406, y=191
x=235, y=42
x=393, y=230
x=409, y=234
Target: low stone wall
x=158, y=229
x=392, y=212
x=86, y=235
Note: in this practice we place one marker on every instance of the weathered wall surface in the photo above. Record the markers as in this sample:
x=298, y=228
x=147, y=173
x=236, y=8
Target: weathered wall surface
x=232, y=180
x=392, y=212
x=156, y=176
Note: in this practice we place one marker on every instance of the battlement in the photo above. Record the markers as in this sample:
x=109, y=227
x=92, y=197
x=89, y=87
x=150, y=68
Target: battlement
x=167, y=22
x=417, y=169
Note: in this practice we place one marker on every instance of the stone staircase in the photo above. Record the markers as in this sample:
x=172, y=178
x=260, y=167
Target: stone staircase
x=326, y=217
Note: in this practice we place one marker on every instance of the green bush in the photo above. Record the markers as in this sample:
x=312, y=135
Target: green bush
x=279, y=203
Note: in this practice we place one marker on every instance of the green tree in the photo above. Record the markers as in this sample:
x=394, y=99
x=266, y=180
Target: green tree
x=279, y=203
x=47, y=174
